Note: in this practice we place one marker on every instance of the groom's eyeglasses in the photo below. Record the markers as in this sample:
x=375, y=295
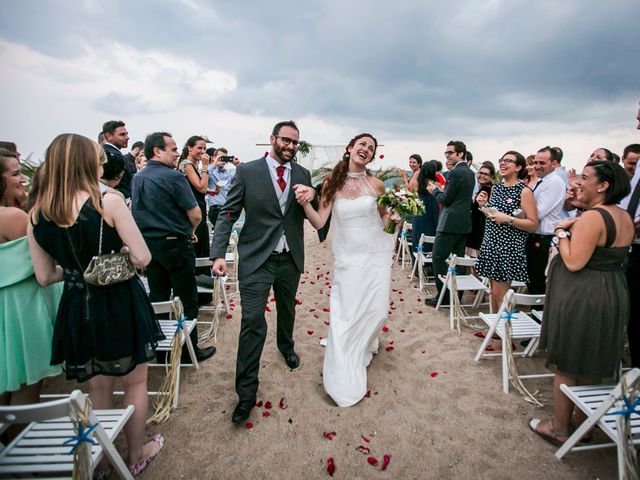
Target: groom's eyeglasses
x=288, y=141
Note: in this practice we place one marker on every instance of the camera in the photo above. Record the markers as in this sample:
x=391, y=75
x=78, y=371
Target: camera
x=227, y=158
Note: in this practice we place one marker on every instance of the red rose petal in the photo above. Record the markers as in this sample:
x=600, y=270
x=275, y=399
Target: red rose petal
x=266, y=413
x=229, y=316
x=381, y=156
x=326, y=323
x=386, y=460
x=419, y=311
x=267, y=309
x=331, y=466
x=365, y=439
x=249, y=425
x=434, y=374
x=389, y=348
x=282, y=404
x=329, y=435
x=298, y=302
x=385, y=329
x=309, y=332
x=391, y=342
x=363, y=449
x=326, y=309
x=312, y=309
x=368, y=395
x=402, y=330
x=268, y=405
x=259, y=404
x=372, y=461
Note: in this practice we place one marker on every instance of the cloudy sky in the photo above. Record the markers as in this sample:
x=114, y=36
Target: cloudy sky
x=497, y=74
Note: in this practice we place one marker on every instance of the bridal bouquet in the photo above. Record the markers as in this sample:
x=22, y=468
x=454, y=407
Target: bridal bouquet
x=401, y=202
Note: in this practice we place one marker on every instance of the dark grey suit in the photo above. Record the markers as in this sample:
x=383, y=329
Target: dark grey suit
x=258, y=269
x=454, y=222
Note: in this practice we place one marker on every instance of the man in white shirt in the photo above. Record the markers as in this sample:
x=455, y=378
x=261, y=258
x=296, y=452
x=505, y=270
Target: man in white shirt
x=549, y=193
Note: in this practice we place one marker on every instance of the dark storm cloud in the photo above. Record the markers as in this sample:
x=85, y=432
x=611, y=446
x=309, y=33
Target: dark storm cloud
x=403, y=66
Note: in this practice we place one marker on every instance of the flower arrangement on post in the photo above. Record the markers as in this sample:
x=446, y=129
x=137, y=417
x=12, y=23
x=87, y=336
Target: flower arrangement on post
x=402, y=202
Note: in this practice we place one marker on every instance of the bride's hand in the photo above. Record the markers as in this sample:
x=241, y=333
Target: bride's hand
x=304, y=194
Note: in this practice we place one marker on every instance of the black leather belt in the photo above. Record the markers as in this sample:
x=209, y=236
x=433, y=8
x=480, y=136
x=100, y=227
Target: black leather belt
x=284, y=252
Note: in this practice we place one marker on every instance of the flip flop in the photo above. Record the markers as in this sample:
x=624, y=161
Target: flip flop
x=139, y=467
x=553, y=438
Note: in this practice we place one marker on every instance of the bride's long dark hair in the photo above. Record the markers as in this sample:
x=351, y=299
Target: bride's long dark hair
x=335, y=181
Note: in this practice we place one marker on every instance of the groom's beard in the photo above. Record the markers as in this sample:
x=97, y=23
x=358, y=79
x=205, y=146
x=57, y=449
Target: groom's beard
x=284, y=153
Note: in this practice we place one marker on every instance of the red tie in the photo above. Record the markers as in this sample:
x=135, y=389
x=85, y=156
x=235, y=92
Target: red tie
x=281, y=181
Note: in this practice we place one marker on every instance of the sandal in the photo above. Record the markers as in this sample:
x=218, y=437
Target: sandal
x=554, y=438
x=139, y=467
x=587, y=437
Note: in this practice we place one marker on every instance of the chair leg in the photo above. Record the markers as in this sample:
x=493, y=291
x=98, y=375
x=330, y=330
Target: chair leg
x=190, y=348
x=505, y=367
x=487, y=340
x=177, y=390
x=441, y=296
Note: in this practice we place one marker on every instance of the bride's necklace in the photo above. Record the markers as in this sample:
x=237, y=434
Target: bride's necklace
x=356, y=174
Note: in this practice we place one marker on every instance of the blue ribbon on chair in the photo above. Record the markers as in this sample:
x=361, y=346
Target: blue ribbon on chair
x=83, y=436
x=452, y=270
x=419, y=249
x=404, y=234
x=508, y=314
x=180, y=323
x=631, y=407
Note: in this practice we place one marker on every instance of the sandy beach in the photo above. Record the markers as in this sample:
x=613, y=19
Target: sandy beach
x=431, y=408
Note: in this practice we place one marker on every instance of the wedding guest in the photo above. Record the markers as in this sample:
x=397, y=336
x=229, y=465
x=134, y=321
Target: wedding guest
x=362, y=276
x=454, y=222
x=583, y=334
x=167, y=214
x=116, y=138
x=130, y=158
x=550, y=194
x=601, y=154
x=485, y=175
x=141, y=162
x=101, y=332
x=630, y=157
x=28, y=310
x=411, y=184
x=427, y=222
x=502, y=256
x=220, y=181
x=194, y=164
x=531, y=179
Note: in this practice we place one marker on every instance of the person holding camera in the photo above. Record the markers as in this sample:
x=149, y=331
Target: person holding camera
x=502, y=256
x=219, y=181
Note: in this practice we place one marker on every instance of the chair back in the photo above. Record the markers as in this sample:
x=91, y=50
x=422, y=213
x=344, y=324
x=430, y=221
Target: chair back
x=426, y=239
x=40, y=412
x=171, y=307
x=528, y=300
x=454, y=261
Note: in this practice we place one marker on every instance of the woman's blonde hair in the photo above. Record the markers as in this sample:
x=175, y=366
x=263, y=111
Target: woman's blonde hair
x=70, y=166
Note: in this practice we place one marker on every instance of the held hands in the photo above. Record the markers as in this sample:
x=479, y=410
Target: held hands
x=219, y=267
x=304, y=194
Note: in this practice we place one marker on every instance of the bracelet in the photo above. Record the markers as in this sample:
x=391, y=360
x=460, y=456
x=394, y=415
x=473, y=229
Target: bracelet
x=511, y=220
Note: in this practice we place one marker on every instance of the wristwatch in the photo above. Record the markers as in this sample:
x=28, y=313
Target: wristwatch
x=511, y=219
x=561, y=233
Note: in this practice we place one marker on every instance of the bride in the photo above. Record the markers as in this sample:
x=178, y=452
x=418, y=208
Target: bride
x=362, y=270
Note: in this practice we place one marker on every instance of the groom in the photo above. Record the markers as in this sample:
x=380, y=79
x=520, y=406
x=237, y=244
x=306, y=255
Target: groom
x=271, y=252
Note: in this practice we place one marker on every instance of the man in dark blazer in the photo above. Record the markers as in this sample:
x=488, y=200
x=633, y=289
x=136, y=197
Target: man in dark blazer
x=116, y=137
x=270, y=250
x=454, y=222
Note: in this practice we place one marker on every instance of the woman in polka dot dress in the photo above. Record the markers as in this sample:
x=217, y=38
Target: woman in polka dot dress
x=502, y=256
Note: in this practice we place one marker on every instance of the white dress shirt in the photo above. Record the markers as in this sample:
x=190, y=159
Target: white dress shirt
x=624, y=203
x=282, y=244
x=550, y=194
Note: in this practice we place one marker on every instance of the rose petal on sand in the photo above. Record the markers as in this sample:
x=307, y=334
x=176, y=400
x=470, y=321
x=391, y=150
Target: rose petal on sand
x=268, y=405
x=309, y=332
x=331, y=466
x=249, y=425
x=326, y=309
x=386, y=460
x=298, y=302
x=329, y=435
x=282, y=404
x=372, y=461
x=365, y=439
x=312, y=309
x=385, y=329
x=259, y=404
x=434, y=374
x=267, y=309
x=326, y=323
x=266, y=413
x=229, y=316
x=388, y=349
x=363, y=449
x=368, y=395
x=402, y=330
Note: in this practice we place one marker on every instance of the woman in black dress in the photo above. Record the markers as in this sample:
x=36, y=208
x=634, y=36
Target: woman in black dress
x=586, y=301
x=101, y=332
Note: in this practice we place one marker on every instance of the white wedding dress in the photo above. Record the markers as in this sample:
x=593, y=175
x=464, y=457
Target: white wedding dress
x=359, y=290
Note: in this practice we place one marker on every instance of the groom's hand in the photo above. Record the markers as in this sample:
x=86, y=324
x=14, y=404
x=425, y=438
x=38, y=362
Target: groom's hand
x=219, y=267
x=304, y=194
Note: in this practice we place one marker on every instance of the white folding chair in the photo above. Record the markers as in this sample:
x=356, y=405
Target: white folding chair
x=170, y=329
x=605, y=407
x=403, y=253
x=423, y=260
x=454, y=283
x=523, y=327
x=219, y=302
x=40, y=449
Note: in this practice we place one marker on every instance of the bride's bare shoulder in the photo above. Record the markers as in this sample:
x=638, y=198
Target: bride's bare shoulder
x=376, y=184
